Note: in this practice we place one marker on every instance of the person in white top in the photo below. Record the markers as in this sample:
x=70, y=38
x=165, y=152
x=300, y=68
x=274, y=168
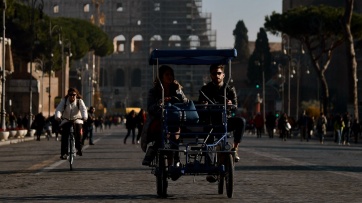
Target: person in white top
x=71, y=108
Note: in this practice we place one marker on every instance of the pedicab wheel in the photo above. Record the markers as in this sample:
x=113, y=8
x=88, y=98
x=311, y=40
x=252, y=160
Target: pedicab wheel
x=220, y=188
x=229, y=175
x=221, y=184
x=161, y=176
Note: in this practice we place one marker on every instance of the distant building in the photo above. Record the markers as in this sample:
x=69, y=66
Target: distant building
x=136, y=27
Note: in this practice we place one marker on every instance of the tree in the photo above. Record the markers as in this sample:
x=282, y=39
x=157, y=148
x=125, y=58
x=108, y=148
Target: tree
x=351, y=56
x=33, y=35
x=241, y=41
x=319, y=28
x=260, y=59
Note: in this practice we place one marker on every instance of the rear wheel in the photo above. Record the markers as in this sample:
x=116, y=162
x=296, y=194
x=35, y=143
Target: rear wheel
x=229, y=175
x=161, y=176
x=221, y=184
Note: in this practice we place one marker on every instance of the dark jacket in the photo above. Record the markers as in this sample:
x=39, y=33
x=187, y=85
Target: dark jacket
x=131, y=121
x=215, y=94
x=154, y=108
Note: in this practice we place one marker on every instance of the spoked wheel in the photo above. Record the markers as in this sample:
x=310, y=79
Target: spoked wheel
x=161, y=176
x=229, y=175
x=71, y=155
x=221, y=184
x=221, y=177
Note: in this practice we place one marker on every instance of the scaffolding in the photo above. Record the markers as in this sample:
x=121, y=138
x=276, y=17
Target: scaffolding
x=141, y=26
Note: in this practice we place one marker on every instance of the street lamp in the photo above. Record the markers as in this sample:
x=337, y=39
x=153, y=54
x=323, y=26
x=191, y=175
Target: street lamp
x=51, y=32
x=281, y=75
x=261, y=65
x=287, y=50
x=66, y=53
x=3, y=123
x=41, y=64
x=32, y=3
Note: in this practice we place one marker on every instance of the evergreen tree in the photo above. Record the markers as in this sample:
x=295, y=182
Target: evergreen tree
x=241, y=41
x=260, y=59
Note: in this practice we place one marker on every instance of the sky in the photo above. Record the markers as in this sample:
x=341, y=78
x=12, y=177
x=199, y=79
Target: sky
x=226, y=13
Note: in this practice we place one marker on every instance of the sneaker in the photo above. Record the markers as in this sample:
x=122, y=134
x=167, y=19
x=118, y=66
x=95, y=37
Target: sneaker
x=211, y=178
x=138, y=141
x=63, y=157
x=237, y=158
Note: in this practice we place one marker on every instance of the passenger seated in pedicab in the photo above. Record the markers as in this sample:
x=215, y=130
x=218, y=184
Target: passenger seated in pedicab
x=213, y=92
x=152, y=130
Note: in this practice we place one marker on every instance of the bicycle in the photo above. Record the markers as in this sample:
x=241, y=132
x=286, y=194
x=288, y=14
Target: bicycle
x=71, y=144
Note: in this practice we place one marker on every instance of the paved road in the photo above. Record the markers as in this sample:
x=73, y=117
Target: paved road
x=270, y=170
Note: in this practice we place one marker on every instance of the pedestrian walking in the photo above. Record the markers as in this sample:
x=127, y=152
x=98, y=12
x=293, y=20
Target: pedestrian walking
x=347, y=128
x=356, y=129
x=259, y=124
x=38, y=124
x=338, y=128
x=131, y=126
x=303, y=126
x=321, y=127
x=88, y=126
x=270, y=124
x=284, y=126
x=141, y=119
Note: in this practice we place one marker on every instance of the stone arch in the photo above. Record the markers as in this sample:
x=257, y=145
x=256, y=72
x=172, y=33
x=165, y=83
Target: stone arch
x=194, y=41
x=136, y=43
x=119, y=44
x=174, y=41
x=155, y=42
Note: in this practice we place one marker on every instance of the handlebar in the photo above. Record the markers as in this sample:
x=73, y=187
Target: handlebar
x=72, y=120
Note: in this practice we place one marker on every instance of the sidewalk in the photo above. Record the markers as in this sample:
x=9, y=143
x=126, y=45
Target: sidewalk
x=14, y=140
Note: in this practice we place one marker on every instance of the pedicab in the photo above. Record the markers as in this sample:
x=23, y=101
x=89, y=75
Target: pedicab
x=202, y=147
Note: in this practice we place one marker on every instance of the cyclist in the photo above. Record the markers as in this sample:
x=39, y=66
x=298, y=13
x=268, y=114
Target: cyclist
x=71, y=107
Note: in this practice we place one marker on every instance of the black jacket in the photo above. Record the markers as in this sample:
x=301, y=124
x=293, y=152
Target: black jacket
x=216, y=94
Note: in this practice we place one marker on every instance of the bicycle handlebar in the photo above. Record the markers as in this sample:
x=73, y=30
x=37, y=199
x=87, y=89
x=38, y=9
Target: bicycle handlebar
x=72, y=120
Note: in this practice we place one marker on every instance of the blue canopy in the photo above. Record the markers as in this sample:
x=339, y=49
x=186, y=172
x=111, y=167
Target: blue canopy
x=192, y=57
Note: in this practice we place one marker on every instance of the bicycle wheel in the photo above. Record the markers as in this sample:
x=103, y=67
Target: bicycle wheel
x=221, y=184
x=71, y=153
x=229, y=175
x=161, y=176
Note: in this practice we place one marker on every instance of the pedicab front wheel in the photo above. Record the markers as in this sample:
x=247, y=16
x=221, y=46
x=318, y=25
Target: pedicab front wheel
x=161, y=176
x=229, y=175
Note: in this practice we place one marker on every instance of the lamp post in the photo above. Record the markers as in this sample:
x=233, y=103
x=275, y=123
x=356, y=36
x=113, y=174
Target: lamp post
x=287, y=50
x=281, y=75
x=3, y=68
x=33, y=3
x=41, y=64
x=51, y=32
x=66, y=55
x=261, y=66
